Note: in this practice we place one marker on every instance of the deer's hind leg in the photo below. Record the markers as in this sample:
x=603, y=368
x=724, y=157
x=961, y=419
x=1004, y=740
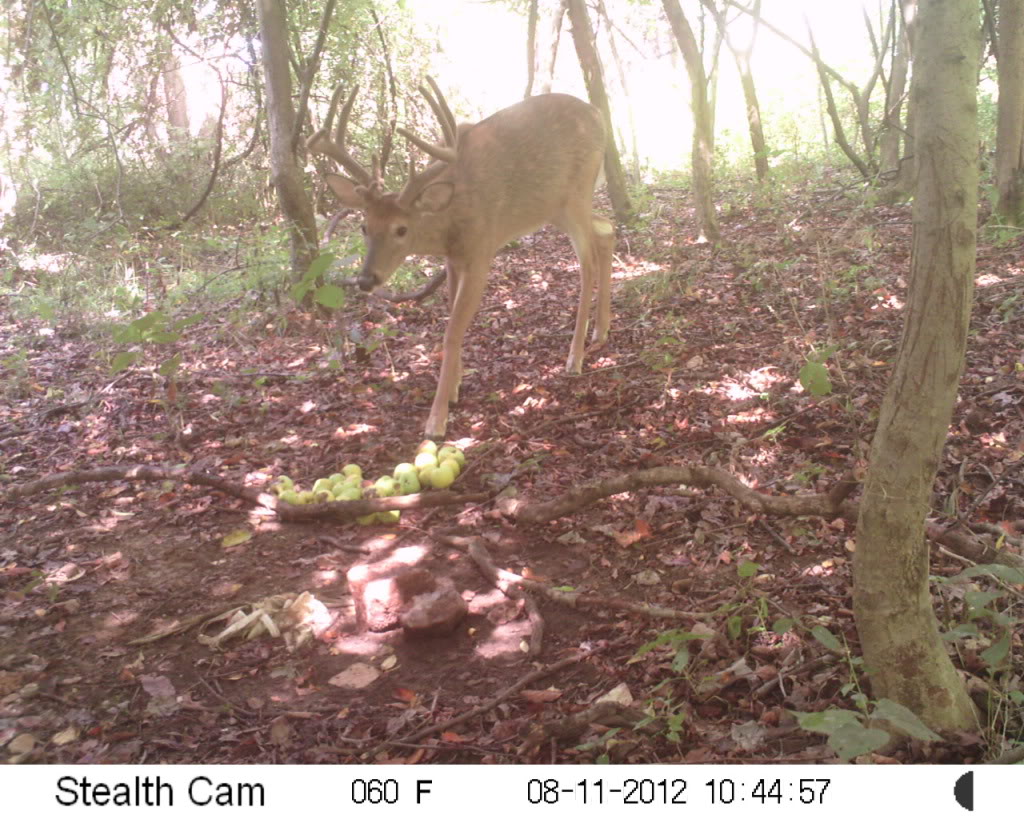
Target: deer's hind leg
x=593, y=239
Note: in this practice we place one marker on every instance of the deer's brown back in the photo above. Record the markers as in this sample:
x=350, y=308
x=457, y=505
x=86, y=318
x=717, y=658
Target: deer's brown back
x=518, y=169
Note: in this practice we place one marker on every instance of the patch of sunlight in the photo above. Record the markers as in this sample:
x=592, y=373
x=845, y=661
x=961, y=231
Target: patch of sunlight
x=731, y=390
x=763, y=378
x=987, y=280
x=826, y=568
x=538, y=281
x=889, y=301
x=506, y=639
x=757, y=415
x=307, y=407
x=532, y=402
x=997, y=440
x=257, y=478
x=326, y=577
x=353, y=430
x=366, y=644
x=639, y=268
x=118, y=620
x=47, y=262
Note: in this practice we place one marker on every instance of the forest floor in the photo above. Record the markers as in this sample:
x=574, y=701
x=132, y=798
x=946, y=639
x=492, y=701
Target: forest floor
x=701, y=369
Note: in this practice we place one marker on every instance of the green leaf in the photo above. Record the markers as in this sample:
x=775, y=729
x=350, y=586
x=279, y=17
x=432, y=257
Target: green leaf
x=318, y=266
x=996, y=653
x=959, y=631
x=235, y=538
x=163, y=337
x=127, y=334
x=123, y=361
x=747, y=568
x=783, y=625
x=827, y=639
x=181, y=324
x=905, y=720
x=734, y=626
x=148, y=321
x=170, y=366
x=826, y=722
x=814, y=378
x=980, y=599
x=299, y=290
x=853, y=740
x=681, y=660
x=330, y=295
x=1007, y=573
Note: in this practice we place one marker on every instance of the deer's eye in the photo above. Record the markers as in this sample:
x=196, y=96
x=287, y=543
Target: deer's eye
x=401, y=230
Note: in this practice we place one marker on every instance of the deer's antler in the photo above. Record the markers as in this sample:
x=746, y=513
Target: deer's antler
x=445, y=154
x=320, y=142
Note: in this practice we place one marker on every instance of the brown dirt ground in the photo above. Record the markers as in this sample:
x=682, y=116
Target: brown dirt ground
x=701, y=368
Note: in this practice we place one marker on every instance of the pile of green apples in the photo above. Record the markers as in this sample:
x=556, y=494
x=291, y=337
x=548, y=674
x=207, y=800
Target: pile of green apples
x=433, y=467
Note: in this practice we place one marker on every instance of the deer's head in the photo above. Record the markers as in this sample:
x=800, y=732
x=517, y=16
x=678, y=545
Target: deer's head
x=394, y=224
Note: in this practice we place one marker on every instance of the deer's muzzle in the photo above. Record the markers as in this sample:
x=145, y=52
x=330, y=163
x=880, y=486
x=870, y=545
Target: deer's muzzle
x=367, y=281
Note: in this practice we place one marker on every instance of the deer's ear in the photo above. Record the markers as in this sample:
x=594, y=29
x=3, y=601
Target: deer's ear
x=350, y=194
x=434, y=197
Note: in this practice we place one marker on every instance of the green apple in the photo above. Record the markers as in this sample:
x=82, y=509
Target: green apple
x=307, y=497
x=385, y=487
x=352, y=469
x=366, y=520
x=392, y=516
x=290, y=496
x=427, y=446
x=409, y=483
x=322, y=485
x=452, y=464
x=337, y=477
x=348, y=493
x=424, y=474
x=442, y=477
x=425, y=459
x=282, y=484
x=403, y=468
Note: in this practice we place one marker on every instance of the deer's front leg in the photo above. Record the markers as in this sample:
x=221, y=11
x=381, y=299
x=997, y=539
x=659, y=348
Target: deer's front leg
x=469, y=289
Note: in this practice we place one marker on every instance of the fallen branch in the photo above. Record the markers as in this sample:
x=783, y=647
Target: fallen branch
x=831, y=504
x=572, y=727
x=826, y=505
x=336, y=510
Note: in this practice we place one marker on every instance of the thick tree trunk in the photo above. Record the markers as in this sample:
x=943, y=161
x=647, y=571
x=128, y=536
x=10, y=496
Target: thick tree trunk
x=703, y=150
x=892, y=122
x=583, y=39
x=545, y=52
x=1010, y=117
x=286, y=175
x=175, y=101
x=757, y=142
x=906, y=659
x=620, y=70
x=531, y=47
x=742, y=55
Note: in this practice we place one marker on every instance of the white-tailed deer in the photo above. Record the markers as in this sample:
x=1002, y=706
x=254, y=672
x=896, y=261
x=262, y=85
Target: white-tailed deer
x=528, y=165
